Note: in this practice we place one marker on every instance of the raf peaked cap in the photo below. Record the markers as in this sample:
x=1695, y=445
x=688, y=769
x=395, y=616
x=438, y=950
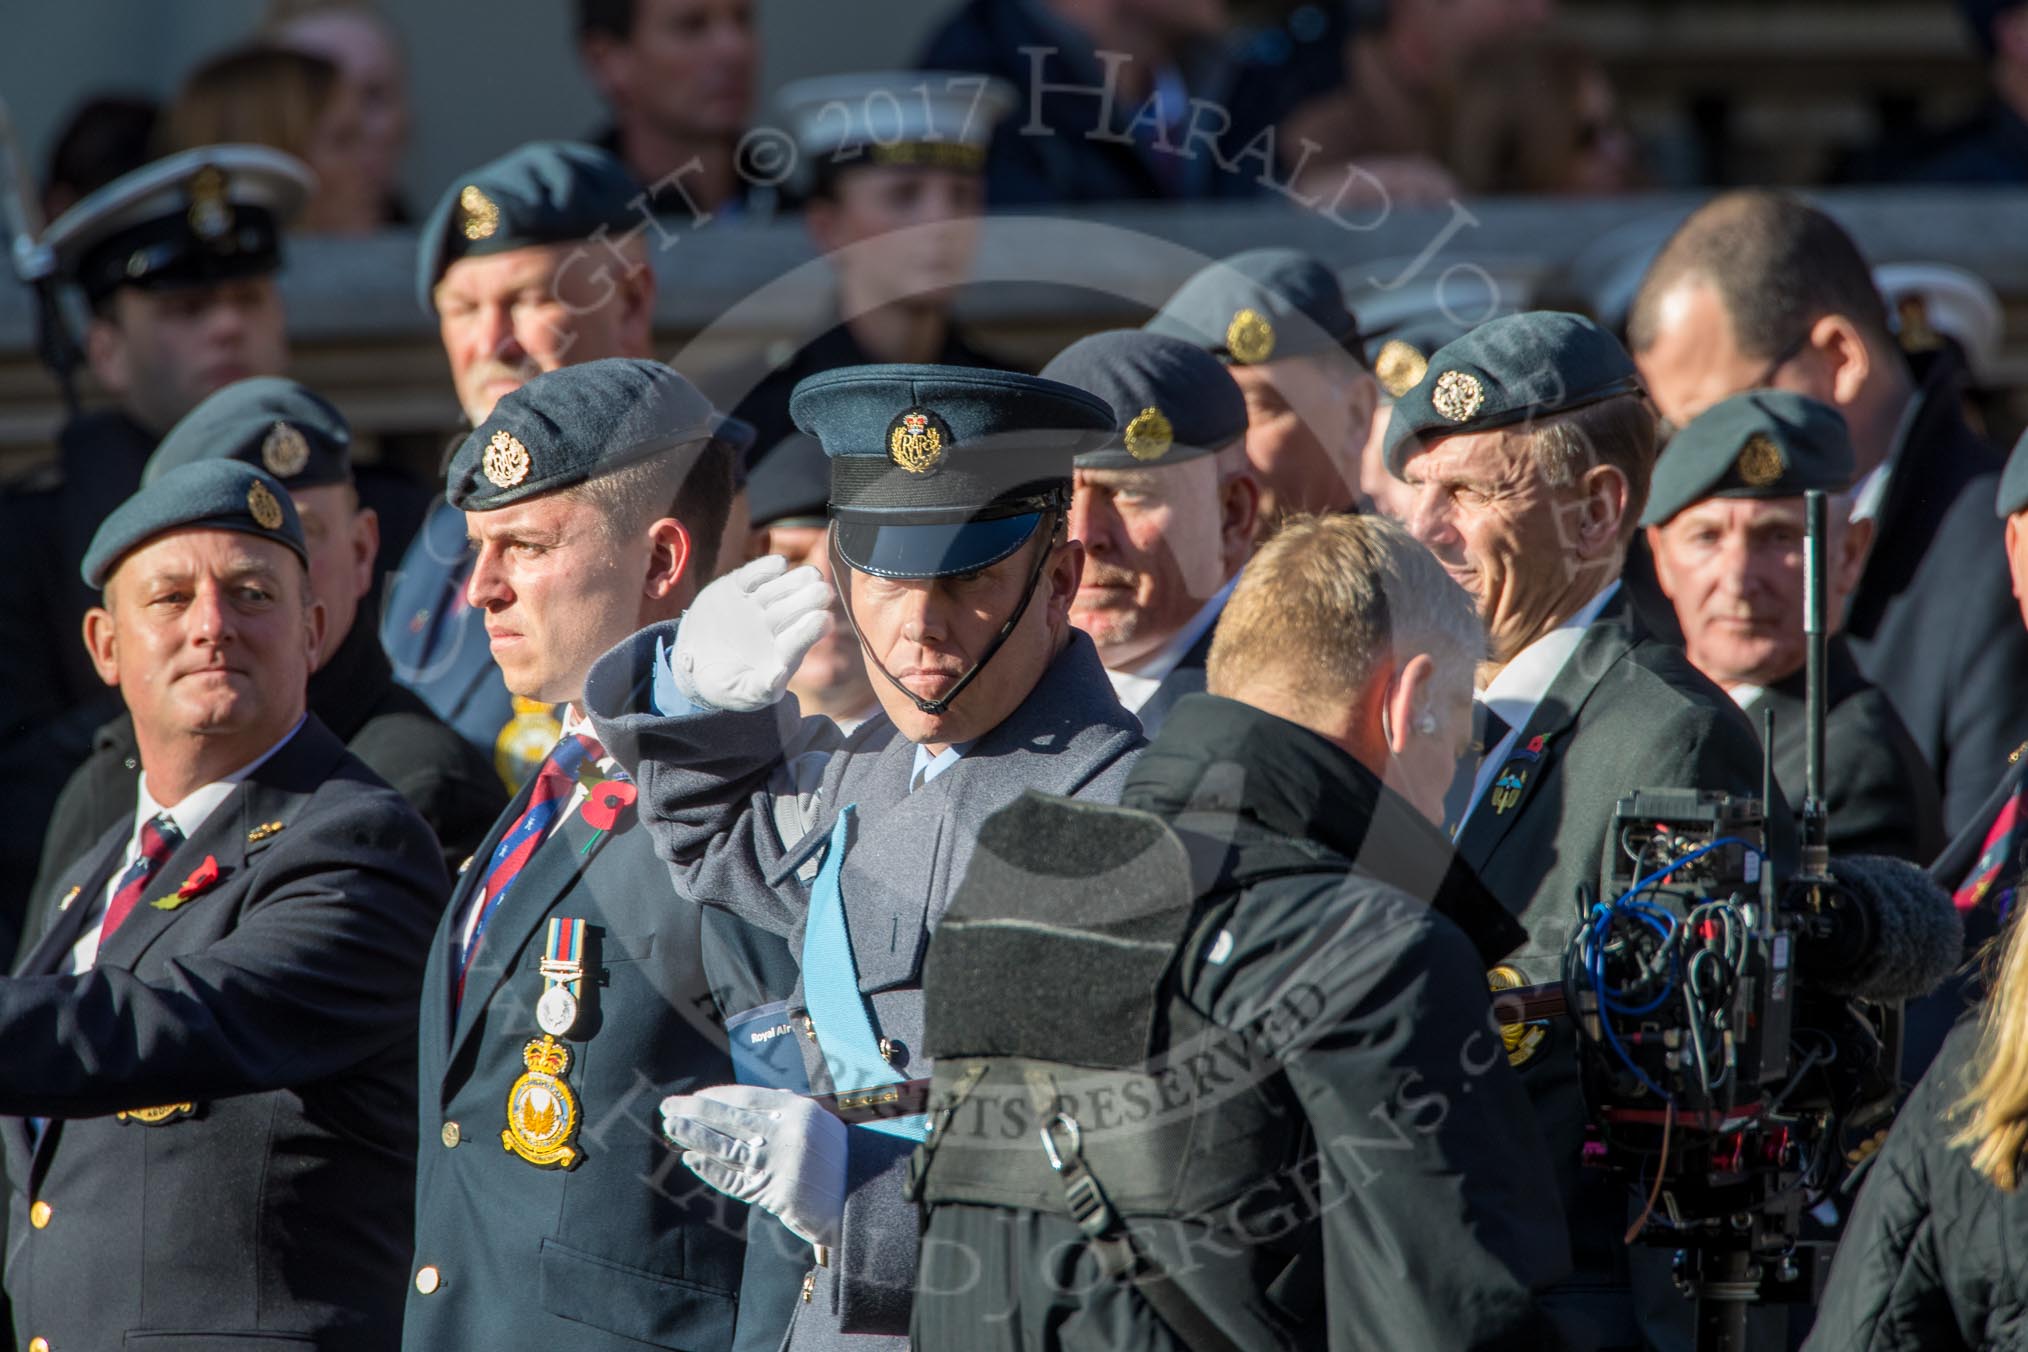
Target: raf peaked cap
x=285, y=428
x=1509, y=370
x=922, y=118
x=205, y=495
x=942, y=470
x=1174, y=401
x=1761, y=444
x=570, y=424
x=200, y=216
x=1260, y=306
x=546, y=192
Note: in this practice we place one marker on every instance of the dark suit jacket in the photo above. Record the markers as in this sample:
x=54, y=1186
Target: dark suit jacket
x=626, y=1249
x=354, y=695
x=1185, y=678
x=1880, y=792
x=280, y=1006
x=1627, y=712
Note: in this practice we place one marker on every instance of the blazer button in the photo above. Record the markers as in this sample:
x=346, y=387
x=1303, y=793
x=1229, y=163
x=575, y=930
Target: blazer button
x=451, y=1136
x=428, y=1279
x=39, y=1214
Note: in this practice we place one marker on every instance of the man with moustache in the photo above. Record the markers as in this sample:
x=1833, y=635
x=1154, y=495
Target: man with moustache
x=1166, y=512
x=1725, y=527
x=211, y=1066
x=1277, y=319
x=950, y=494
x=1527, y=448
x=508, y=270
x=569, y=986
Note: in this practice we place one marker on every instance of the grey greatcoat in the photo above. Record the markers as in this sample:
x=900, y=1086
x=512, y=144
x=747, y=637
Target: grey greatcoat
x=742, y=806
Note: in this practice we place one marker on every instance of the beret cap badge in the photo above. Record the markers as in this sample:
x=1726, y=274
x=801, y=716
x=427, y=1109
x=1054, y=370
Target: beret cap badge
x=1760, y=461
x=1148, y=436
x=261, y=505
x=1250, y=338
x=916, y=440
x=1458, y=395
x=506, y=460
x=478, y=214
x=284, y=451
x=1399, y=367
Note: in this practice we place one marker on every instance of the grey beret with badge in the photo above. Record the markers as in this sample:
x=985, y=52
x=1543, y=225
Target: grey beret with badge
x=1507, y=371
x=942, y=470
x=922, y=119
x=211, y=214
x=1761, y=444
x=285, y=428
x=1174, y=401
x=573, y=423
x=203, y=495
x=1259, y=306
x=545, y=192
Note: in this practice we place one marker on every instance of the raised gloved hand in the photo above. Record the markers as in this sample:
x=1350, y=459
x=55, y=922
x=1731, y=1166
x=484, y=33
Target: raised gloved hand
x=766, y=1147
x=746, y=633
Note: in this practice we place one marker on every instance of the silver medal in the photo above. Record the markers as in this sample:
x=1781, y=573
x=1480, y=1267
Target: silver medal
x=556, y=1011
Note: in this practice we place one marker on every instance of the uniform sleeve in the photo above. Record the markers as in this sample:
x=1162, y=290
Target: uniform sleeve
x=1887, y=1288
x=322, y=970
x=1438, y=1216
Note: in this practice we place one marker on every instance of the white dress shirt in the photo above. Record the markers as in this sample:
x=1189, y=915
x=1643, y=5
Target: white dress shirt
x=189, y=813
x=1137, y=684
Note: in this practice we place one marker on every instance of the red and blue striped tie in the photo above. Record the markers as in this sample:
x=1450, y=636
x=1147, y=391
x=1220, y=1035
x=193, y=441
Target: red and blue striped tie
x=159, y=839
x=554, y=783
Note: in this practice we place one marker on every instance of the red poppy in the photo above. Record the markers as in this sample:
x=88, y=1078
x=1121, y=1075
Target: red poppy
x=1536, y=743
x=606, y=801
x=205, y=875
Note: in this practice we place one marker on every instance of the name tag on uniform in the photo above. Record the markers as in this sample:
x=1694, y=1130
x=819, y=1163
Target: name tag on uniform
x=766, y=1047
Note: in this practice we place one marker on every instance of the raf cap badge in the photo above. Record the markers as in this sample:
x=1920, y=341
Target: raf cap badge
x=284, y=451
x=506, y=460
x=478, y=214
x=1250, y=338
x=1458, y=395
x=1399, y=367
x=1149, y=435
x=917, y=439
x=1760, y=461
x=266, y=512
x=210, y=213
x=541, y=1111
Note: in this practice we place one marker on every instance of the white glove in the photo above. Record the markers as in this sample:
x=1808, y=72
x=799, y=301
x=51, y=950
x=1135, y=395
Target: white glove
x=746, y=633
x=766, y=1147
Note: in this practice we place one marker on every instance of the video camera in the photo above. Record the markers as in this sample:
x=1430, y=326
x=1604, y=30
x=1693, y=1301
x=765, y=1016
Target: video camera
x=1739, y=1034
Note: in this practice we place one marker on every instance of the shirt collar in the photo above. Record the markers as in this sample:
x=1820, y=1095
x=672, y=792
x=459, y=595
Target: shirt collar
x=928, y=766
x=1136, y=684
x=1522, y=683
x=198, y=805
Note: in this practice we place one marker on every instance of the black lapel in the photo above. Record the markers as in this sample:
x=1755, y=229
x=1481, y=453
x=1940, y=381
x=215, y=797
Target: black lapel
x=83, y=886
x=1603, y=646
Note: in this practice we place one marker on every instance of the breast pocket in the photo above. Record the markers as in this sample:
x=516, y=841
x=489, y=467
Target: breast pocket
x=888, y=883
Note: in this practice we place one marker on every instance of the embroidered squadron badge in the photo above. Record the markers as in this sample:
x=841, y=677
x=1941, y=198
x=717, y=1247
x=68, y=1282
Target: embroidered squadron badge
x=541, y=1111
x=917, y=440
x=524, y=740
x=1149, y=435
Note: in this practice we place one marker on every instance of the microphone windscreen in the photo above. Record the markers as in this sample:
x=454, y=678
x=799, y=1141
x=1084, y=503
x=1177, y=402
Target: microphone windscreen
x=1917, y=936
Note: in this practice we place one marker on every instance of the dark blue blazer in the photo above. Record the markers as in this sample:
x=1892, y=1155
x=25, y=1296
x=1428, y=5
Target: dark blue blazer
x=273, y=1016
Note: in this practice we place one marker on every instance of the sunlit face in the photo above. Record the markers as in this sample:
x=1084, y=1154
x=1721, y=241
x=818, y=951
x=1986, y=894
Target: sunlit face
x=1483, y=507
x=1306, y=424
x=833, y=676
x=1153, y=554
x=343, y=539
x=208, y=633
x=689, y=67
x=899, y=233
x=928, y=634
x=163, y=350
x=1695, y=360
x=506, y=318
x=557, y=591
x=1733, y=568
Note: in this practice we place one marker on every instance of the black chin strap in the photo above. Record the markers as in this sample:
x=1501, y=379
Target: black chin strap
x=1045, y=530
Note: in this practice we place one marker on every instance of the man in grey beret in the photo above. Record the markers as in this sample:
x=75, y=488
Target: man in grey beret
x=211, y=1083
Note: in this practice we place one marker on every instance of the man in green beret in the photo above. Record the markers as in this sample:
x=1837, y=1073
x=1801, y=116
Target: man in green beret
x=1277, y=319
x=1725, y=528
x=1166, y=512
x=1528, y=448
x=300, y=438
x=211, y=1079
